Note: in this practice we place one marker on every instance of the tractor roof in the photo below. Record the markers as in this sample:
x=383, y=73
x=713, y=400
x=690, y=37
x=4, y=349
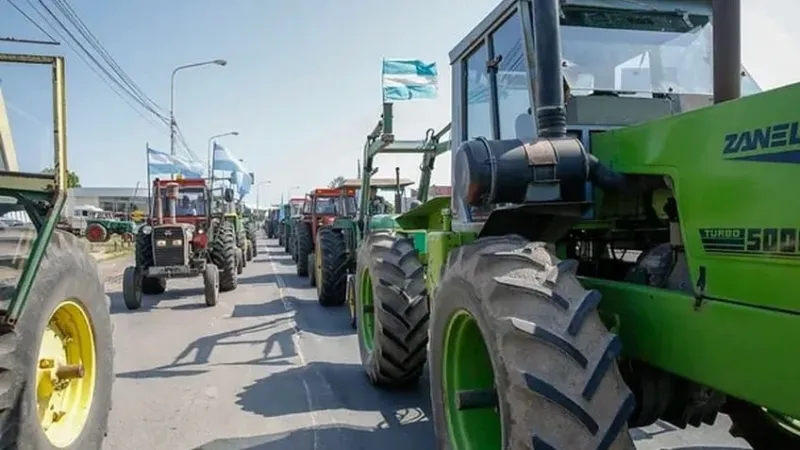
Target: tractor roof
x=380, y=183
x=333, y=192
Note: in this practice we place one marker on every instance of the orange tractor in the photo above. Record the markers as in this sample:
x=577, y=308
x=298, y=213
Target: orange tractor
x=321, y=207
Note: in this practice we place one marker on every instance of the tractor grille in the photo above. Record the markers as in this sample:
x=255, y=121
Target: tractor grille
x=166, y=251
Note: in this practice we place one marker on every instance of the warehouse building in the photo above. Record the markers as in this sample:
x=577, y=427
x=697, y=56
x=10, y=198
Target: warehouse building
x=111, y=199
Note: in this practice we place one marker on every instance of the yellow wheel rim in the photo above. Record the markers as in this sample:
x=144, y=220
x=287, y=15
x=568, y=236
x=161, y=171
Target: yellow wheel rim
x=65, y=374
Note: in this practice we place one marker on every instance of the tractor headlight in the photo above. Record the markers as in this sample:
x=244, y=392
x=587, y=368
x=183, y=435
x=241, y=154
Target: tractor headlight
x=177, y=242
x=161, y=243
x=147, y=229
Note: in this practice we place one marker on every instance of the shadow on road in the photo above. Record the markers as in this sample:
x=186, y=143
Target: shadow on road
x=150, y=302
x=328, y=385
x=325, y=386
x=415, y=435
x=184, y=364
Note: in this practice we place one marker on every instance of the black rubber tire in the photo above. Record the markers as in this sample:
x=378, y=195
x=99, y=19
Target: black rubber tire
x=400, y=308
x=132, y=288
x=211, y=284
x=144, y=259
x=102, y=232
x=286, y=239
x=312, y=272
x=305, y=245
x=250, y=230
x=239, y=261
x=66, y=272
x=223, y=255
x=556, y=379
x=248, y=249
x=332, y=280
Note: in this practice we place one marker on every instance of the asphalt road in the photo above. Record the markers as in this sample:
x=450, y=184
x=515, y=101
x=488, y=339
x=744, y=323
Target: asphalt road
x=269, y=369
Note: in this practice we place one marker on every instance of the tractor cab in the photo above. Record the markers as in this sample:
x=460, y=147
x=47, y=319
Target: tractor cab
x=323, y=205
x=182, y=201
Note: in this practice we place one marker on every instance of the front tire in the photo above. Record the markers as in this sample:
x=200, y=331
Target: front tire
x=332, y=275
x=305, y=245
x=391, y=310
x=132, y=288
x=66, y=298
x=523, y=360
x=211, y=284
x=223, y=255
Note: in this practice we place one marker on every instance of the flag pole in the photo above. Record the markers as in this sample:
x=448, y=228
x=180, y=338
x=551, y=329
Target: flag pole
x=149, y=199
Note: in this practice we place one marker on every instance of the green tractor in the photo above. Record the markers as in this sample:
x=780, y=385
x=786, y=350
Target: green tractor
x=57, y=361
x=295, y=213
x=593, y=270
x=105, y=225
x=250, y=224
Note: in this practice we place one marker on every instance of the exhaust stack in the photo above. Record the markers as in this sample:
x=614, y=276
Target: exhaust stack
x=172, y=200
x=551, y=114
x=727, y=44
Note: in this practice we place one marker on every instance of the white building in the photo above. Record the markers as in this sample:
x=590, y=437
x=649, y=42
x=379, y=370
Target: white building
x=112, y=199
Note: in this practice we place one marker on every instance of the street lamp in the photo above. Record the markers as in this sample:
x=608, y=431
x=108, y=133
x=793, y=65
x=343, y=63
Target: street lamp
x=215, y=62
x=289, y=192
x=258, y=193
x=210, y=151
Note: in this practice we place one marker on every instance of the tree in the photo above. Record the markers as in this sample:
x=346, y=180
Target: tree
x=336, y=182
x=73, y=180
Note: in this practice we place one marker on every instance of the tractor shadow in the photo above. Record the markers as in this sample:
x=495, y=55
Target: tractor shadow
x=278, y=348
x=413, y=434
x=150, y=302
x=326, y=386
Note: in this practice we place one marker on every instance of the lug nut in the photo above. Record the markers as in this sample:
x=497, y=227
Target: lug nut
x=70, y=371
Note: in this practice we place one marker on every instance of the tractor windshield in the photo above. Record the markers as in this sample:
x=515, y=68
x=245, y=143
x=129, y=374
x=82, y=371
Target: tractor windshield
x=325, y=205
x=191, y=202
x=639, y=52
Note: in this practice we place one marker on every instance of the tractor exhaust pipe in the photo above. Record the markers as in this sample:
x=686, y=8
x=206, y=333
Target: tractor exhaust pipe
x=159, y=206
x=727, y=43
x=551, y=114
x=172, y=200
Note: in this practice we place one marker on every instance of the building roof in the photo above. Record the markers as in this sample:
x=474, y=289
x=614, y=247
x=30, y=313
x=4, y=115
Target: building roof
x=108, y=192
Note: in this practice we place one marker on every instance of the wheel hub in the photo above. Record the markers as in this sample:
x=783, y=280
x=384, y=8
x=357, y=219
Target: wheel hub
x=65, y=374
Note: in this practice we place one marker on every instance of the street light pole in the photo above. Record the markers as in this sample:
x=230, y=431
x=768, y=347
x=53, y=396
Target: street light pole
x=258, y=193
x=211, y=152
x=217, y=62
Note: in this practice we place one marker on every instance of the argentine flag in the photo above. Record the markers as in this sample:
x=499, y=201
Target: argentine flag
x=409, y=79
x=226, y=162
x=160, y=163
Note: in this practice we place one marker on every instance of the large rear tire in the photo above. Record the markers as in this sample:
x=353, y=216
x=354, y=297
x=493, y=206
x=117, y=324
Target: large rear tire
x=144, y=259
x=66, y=298
x=223, y=255
x=211, y=284
x=523, y=360
x=305, y=245
x=331, y=273
x=391, y=310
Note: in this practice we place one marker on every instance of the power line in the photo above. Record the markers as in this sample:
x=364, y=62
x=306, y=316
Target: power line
x=95, y=66
x=35, y=24
x=73, y=17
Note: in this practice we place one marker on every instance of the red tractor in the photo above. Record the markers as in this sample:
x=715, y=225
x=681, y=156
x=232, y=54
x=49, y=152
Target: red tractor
x=322, y=206
x=182, y=239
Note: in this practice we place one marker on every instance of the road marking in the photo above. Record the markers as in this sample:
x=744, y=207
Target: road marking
x=295, y=339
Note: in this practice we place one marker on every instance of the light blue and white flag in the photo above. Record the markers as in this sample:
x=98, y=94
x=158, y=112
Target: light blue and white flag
x=160, y=163
x=225, y=161
x=409, y=79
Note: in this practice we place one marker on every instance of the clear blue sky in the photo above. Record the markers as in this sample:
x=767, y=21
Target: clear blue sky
x=302, y=85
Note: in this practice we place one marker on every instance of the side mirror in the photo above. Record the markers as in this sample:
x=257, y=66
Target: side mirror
x=228, y=195
x=374, y=171
x=252, y=177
